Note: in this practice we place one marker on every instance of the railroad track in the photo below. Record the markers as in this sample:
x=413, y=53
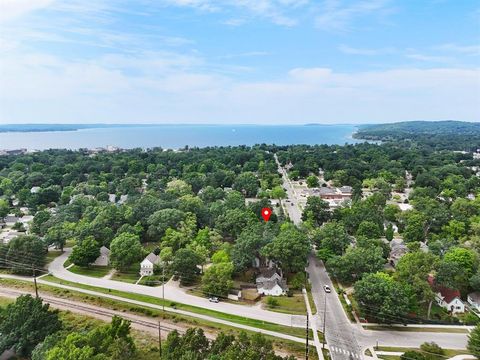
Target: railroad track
x=92, y=310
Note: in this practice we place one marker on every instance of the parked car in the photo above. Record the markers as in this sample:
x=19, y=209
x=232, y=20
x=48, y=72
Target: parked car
x=213, y=299
x=327, y=289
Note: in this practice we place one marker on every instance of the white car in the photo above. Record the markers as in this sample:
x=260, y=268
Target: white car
x=213, y=299
x=327, y=289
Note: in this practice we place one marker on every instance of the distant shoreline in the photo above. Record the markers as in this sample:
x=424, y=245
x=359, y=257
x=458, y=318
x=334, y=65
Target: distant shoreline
x=41, y=128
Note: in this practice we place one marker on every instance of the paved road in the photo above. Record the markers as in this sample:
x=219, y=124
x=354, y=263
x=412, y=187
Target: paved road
x=347, y=340
x=174, y=293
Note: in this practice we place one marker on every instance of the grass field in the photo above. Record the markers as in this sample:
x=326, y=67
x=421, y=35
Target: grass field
x=448, y=352
x=416, y=329
x=290, y=346
x=129, y=276
x=156, y=301
x=288, y=305
x=93, y=271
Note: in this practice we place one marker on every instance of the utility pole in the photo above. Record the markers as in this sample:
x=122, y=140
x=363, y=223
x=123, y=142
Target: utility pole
x=163, y=288
x=324, y=321
x=306, y=341
x=159, y=338
x=35, y=281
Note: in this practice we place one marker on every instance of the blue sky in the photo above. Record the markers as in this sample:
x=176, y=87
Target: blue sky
x=239, y=61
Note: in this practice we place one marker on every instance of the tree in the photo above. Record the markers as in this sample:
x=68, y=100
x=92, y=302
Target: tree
x=247, y=184
x=25, y=323
x=290, y=248
x=163, y=219
x=391, y=212
x=178, y=188
x=316, y=211
x=232, y=222
x=278, y=193
x=369, y=230
x=59, y=234
x=312, y=181
x=125, y=250
x=332, y=236
x=356, y=263
x=389, y=232
x=25, y=253
x=474, y=342
x=465, y=258
x=86, y=252
x=185, y=266
x=382, y=298
x=247, y=246
x=217, y=279
x=4, y=208
x=112, y=341
x=432, y=351
x=415, y=225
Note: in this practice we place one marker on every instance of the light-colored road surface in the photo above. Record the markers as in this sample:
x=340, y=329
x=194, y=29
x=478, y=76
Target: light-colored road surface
x=159, y=307
x=173, y=293
x=346, y=340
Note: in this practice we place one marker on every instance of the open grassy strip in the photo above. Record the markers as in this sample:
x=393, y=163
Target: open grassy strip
x=448, y=352
x=129, y=276
x=286, y=304
x=52, y=254
x=93, y=271
x=346, y=307
x=416, y=329
x=298, y=332
x=389, y=357
x=285, y=345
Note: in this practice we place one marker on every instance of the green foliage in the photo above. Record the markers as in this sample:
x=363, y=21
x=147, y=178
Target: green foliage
x=290, y=248
x=195, y=346
x=272, y=302
x=25, y=323
x=356, y=263
x=412, y=355
x=125, y=251
x=382, y=298
x=25, y=253
x=332, y=237
x=85, y=253
x=474, y=342
x=369, y=229
x=185, y=265
x=217, y=279
x=312, y=181
x=316, y=211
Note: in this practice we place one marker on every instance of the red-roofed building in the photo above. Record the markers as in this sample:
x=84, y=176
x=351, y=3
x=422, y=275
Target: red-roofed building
x=447, y=298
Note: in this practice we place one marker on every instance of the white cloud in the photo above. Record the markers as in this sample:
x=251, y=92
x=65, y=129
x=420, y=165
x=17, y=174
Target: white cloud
x=473, y=50
x=367, y=52
x=12, y=9
x=167, y=87
x=337, y=15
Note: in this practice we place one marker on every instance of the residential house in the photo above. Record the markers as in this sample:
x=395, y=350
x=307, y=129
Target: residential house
x=447, y=298
x=148, y=264
x=270, y=282
x=397, y=252
x=272, y=288
x=474, y=300
x=104, y=258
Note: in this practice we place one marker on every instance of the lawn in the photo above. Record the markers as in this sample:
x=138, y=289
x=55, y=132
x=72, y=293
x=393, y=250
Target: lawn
x=286, y=345
x=129, y=276
x=52, y=254
x=5, y=301
x=416, y=329
x=312, y=303
x=448, y=352
x=93, y=271
x=285, y=304
x=157, y=301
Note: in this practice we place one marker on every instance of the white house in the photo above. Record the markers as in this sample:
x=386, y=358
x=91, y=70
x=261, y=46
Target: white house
x=104, y=258
x=270, y=282
x=447, y=298
x=273, y=288
x=147, y=265
x=474, y=300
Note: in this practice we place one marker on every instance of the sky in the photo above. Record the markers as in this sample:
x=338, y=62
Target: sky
x=239, y=61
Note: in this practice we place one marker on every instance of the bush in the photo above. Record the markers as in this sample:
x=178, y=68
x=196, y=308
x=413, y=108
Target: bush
x=432, y=351
x=272, y=302
x=298, y=281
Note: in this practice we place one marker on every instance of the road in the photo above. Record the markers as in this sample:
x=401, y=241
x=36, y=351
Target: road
x=174, y=293
x=346, y=340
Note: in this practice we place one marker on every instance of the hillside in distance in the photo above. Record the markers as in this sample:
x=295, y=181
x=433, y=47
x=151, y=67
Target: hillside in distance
x=440, y=135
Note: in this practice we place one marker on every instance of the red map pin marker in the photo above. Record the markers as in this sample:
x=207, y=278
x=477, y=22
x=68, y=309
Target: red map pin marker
x=266, y=212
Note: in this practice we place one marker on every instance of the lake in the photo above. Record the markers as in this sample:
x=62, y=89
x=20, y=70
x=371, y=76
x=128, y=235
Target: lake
x=177, y=136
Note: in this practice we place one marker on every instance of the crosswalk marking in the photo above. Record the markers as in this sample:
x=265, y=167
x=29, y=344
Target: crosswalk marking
x=344, y=351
